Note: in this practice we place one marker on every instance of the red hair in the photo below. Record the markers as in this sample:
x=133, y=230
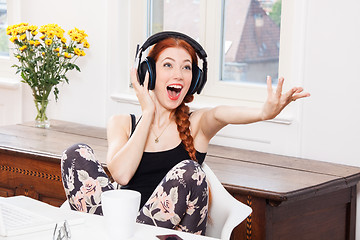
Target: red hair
x=182, y=111
x=172, y=42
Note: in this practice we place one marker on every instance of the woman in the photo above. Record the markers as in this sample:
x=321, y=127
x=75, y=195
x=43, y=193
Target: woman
x=160, y=152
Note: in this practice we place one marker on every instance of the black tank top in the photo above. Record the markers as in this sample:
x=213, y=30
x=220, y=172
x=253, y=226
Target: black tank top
x=154, y=166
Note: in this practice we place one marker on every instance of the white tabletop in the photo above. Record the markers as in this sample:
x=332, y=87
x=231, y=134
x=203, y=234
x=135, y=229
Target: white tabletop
x=92, y=226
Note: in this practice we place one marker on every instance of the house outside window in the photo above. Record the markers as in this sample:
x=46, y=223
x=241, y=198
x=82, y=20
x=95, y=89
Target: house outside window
x=251, y=41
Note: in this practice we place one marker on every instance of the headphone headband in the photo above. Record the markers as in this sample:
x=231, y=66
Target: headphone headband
x=157, y=37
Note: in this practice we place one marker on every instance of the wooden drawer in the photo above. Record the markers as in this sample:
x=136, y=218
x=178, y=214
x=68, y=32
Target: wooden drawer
x=31, y=177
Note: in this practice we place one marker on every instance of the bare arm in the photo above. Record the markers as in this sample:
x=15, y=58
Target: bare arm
x=212, y=120
x=124, y=154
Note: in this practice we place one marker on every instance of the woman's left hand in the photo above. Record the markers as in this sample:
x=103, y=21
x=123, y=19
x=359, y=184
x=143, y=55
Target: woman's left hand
x=276, y=101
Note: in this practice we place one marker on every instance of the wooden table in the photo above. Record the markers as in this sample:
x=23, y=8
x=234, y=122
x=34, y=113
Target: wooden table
x=292, y=198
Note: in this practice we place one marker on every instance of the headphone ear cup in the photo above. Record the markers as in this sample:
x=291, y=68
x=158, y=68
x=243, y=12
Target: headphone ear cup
x=196, y=78
x=148, y=65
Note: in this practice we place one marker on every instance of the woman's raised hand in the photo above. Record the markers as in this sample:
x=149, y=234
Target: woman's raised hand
x=144, y=96
x=276, y=101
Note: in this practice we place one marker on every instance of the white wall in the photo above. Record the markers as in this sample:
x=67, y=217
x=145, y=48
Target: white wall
x=331, y=129
x=326, y=62
x=10, y=101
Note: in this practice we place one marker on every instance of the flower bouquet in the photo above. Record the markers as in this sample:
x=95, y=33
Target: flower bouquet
x=45, y=56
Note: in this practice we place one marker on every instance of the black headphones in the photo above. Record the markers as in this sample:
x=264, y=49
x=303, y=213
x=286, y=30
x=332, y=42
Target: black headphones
x=199, y=76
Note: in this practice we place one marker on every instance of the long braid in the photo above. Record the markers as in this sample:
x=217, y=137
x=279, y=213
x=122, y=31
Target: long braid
x=183, y=124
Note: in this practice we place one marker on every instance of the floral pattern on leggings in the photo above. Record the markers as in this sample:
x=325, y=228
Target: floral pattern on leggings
x=84, y=179
x=180, y=201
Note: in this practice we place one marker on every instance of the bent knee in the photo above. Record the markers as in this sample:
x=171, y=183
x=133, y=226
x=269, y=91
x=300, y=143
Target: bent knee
x=189, y=165
x=193, y=172
x=75, y=148
x=78, y=149
x=78, y=152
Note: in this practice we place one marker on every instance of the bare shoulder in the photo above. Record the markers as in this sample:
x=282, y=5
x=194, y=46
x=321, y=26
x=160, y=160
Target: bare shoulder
x=118, y=124
x=120, y=119
x=195, y=119
x=197, y=114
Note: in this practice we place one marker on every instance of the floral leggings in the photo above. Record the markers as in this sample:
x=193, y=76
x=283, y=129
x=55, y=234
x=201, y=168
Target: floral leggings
x=180, y=201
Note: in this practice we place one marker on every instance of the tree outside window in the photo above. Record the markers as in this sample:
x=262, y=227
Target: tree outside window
x=4, y=47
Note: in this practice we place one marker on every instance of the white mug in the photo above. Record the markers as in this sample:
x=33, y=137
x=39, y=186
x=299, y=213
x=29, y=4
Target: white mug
x=120, y=209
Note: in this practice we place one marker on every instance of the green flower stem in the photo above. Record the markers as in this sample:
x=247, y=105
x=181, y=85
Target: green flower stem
x=41, y=117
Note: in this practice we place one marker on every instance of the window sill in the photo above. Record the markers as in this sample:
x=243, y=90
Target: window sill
x=127, y=98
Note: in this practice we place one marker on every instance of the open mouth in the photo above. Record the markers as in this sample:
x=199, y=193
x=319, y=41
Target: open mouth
x=174, y=91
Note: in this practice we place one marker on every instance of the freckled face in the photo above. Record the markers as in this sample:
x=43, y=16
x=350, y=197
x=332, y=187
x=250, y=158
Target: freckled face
x=173, y=76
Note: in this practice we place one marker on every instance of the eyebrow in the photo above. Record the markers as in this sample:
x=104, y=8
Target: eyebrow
x=170, y=58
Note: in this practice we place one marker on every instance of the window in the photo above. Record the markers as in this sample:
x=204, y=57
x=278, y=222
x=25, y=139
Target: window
x=241, y=37
x=174, y=15
x=251, y=40
x=4, y=49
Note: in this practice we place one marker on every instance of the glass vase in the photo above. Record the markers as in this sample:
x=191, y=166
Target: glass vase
x=41, y=119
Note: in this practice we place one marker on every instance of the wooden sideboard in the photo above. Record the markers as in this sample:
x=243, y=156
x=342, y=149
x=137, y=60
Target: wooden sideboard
x=291, y=198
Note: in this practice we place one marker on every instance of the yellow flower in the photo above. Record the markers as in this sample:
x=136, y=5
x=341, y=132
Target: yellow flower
x=42, y=37
x=52, y=30
x=86, y=44
x=77, y=51
x=50, y=34
x=32, y=42
x=82, y=53
x=14, y=32
x=22, y=37
x=12, y=39
x=23, y=48
x=77, y=35
x=57, y=50
x=63, y=40
x=43, y=53
x=76, y=38
x=48, y=42
x=33, y=28
x=37, y=43
x=22, y=30
x=18, y=56
x=59, y=33
x=67, y=55
x=34, y=33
